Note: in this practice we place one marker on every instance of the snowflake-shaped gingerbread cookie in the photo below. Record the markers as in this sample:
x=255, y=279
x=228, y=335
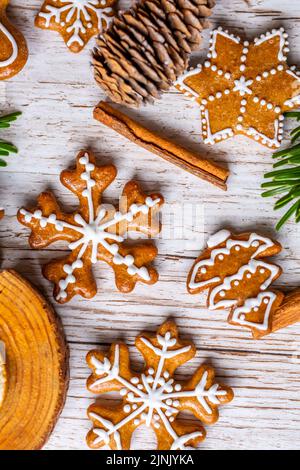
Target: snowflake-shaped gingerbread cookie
x=76, y=20
x=244, y=88
x=152, y=397
x=95, y=232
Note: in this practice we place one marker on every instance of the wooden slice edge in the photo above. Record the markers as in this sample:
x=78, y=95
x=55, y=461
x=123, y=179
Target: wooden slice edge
x=61, y=381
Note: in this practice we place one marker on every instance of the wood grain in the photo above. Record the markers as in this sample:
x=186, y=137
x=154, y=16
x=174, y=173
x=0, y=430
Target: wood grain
x=57, y=95
x=36, y=365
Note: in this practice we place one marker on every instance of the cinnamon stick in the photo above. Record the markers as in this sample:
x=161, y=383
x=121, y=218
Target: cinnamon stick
x=287, y=314
x=173, y=153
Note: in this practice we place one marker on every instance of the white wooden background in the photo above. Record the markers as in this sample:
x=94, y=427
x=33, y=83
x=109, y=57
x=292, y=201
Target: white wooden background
x=56, y=93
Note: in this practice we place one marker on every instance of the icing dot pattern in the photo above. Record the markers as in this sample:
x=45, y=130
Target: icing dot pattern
x=96, y=235
x=231, y=291
x=242, y=86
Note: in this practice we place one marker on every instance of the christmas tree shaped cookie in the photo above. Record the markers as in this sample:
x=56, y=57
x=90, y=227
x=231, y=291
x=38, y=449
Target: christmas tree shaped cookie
x=234, y=271
x=153, y=397
x=244, y=88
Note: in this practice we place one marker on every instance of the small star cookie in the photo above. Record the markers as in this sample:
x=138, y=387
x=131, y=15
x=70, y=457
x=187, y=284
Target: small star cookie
x=244, y=88
x=76, y=20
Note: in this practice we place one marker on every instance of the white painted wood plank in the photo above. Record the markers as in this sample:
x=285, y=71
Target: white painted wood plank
x=57, y=93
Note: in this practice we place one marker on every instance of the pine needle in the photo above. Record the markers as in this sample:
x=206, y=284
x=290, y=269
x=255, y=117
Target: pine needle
x=293, y=114
x=10, y=117
x=7, y=148
x=285, y=179
x=295, y=207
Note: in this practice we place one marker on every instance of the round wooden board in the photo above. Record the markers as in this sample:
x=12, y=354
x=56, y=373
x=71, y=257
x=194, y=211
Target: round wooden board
x=36, y=365
x=2, y=376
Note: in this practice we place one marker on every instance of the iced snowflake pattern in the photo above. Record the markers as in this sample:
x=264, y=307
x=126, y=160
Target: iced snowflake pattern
x=77, y=20
x=153, y=397
x=95, y=232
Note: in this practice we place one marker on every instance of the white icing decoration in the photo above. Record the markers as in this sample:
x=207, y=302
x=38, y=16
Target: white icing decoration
x=266, y=37
x=293, y=74
x=270, y=142
x=10, y=60
x=215, y=34
x=77, y=12
x=94, y=232
x=212, y=137
x=242, y=85
x=295, y=101
x=103, y=435
x=253, y=304
x=158, y=401
x=184, y=76
x=252, y=266
x=216, y=240
x=261, y=244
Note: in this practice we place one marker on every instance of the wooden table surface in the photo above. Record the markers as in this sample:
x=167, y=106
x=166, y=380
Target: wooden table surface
x=56, y=93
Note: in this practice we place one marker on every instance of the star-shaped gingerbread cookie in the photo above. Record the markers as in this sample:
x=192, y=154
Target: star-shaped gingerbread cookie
x=244, y=88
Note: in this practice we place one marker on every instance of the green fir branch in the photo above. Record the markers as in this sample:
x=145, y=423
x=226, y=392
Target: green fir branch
x=7, y=148
x=285, y=179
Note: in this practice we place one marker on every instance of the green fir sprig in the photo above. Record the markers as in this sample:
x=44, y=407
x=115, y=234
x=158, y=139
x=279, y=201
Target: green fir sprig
x=7, y=148
x=285, y=179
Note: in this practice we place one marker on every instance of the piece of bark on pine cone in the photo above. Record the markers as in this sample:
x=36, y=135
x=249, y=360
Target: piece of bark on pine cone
x=146, y=48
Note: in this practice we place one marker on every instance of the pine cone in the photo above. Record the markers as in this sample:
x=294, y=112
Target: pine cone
x=146, y=48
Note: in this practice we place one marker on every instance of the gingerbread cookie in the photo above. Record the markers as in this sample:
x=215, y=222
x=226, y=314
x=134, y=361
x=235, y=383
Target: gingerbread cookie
x=13, y=47
x=3, y=380
x=244, y=88
x=77, y=21
x=95, y=232
x=153, y=397
x=231, y=268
